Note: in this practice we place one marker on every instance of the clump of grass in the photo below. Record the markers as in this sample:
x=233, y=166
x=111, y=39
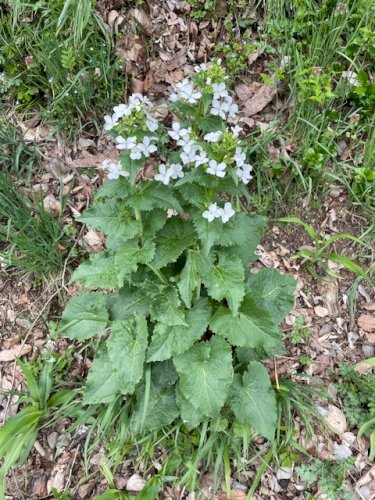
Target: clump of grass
x=16, y=156
x=32, y=236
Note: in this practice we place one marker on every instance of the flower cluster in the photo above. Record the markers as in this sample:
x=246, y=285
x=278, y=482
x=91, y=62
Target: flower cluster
x=212, y=152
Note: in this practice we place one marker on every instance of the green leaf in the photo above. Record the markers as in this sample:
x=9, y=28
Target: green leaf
x=273, y=291
x=99, y=272
x=113, y=218
x=190, y=277
x=118, y=188
x=85, y=316
x=127, y=350
x=210, y=124
x=153, y=221
x=206, y=373
x=127, y=302
x=161, y=408
x=347, y=263
x=175, y=237
x=154, y=195
x=309, y=229
x=131, y=166
x=129, y=255
x=252, y=326
x=253, y=235
x=168, y=340
x=190, y=416
x=165, y=307
x=225, y=280
x=102, y=381
x=253, y=400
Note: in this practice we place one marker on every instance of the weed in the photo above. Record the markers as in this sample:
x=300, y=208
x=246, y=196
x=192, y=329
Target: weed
x=16, y=156
x=34, y=237
x=330, y=477
x=44, y=402
x=299, y=333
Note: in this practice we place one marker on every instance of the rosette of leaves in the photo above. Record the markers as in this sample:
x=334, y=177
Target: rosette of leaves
x=182, y=322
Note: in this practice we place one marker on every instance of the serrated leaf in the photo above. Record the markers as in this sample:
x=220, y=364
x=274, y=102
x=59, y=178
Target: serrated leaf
x=252, y=326
x=115, y=188
x=113, y=218
x=127, y=302
x=175, y=237
x=273, y=291
x=253, y=235
x=130, y=254
x=190, y=277
x=154, y=195
x=190, y=416
x=165, y=307
x=225, y=280
x=168, y=341
x=153, y=221
x=206, y=372
x=161, y=408
x=210, y=124
x=131, y=166
x=126, y=347
x=102, y=383
x=98, y=272
x=85, y=316
x=253, y=400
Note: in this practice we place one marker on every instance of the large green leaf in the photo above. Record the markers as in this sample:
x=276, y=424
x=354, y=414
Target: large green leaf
x=253, y=400
x=130, y=254
x=165, y=307
x=115, y=188
x=126, y=350
x=103, y=382
x=85, y=316
x=206, y=372
x=113, y=218
x=154, y=195
x=190, y=277
x=127, y=302
x=98, y=272
x=190, y=416
x=168, y=340
x=252, y=326
x=225, y=280
x=175, y=237
x=273, y=291
x=156, y=407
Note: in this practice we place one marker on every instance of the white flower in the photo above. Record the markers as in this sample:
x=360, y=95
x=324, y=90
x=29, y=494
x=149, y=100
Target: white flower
x=244, y=173
x=136, y=153
x=188, y=154
x=114, y=169
x=212, y=213
x=227, y=212
x=175, y=171
x=152, y=124
x=163, y=175
x=122, y=143
x=146, y=147
x=201, y=67
x=213, y=136
x=220, y=90
x=110, y=122
x=351, y=76
x=200, y=157
x=137, y=98
x=215, y=168
x=121, y=110
x=179, y=133
x=239, y=157
x=219, y=108
x=185, y=90
x=231, y=108
x=236, y=130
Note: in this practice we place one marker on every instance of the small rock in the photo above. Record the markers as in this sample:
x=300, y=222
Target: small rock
x=52, y=440
x=135, y=483
x=321, y=311
x=368, y=349
x=58, y=480
x=326, y=328
x=85, y=489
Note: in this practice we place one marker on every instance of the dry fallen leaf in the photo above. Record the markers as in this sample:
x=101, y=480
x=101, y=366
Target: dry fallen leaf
x=234, y=495
x=320, y=311
x=259, y=100
x=14, y=352
x=336, y=420
x=135, y=483
x=366, y=485
x=366, y=322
